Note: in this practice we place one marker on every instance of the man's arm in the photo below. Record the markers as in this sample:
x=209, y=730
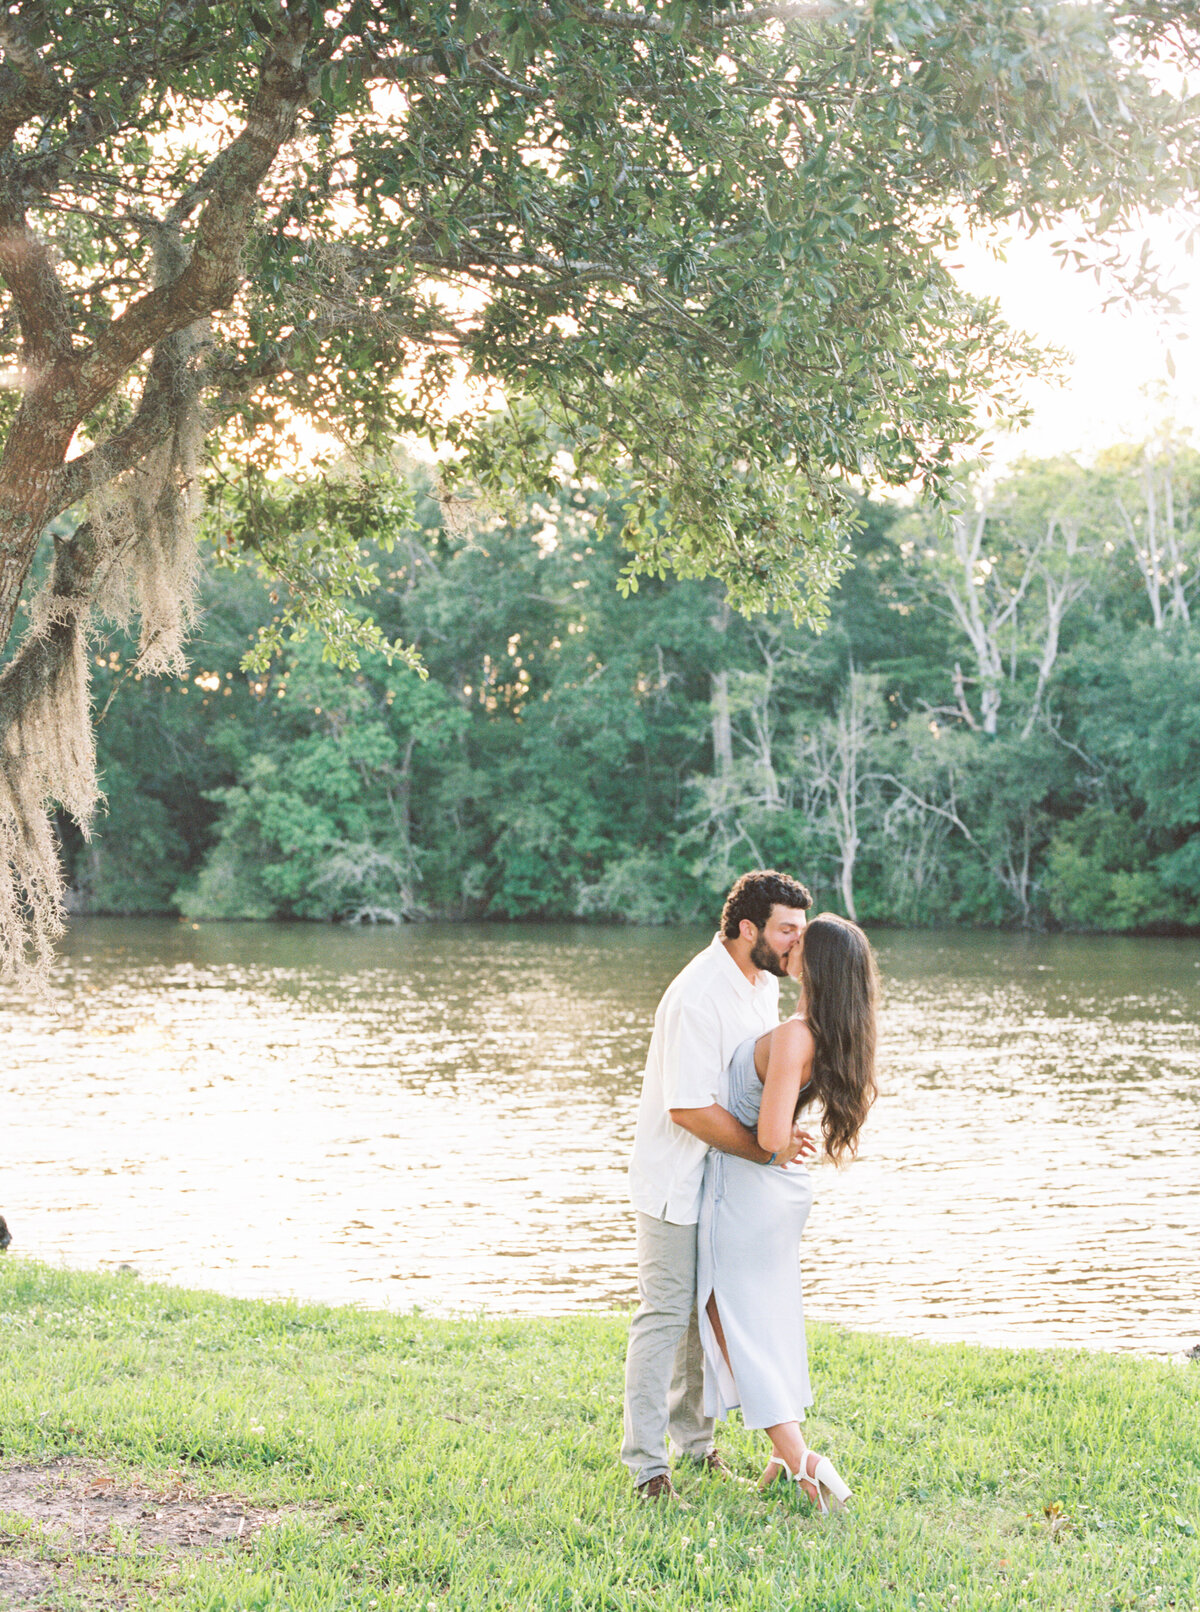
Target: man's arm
x=717, y=1127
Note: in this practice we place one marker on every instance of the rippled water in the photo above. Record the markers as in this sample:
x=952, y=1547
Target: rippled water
x=441, y=1115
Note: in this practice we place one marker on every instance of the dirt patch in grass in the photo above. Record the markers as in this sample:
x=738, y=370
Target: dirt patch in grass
x=82, y=1503
x=79, y=1506
x=26, y=1585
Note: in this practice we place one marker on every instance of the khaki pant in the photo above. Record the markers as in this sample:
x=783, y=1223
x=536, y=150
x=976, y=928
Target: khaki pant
x=664, y=1366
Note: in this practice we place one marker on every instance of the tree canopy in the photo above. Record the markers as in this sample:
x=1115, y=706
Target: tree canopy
x=1028, y=759
x=697, y=249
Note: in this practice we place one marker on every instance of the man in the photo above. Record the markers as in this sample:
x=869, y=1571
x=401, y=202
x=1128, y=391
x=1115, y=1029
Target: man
x=730, y=991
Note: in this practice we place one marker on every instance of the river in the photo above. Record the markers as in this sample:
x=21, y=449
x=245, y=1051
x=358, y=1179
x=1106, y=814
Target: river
x=440, y=1116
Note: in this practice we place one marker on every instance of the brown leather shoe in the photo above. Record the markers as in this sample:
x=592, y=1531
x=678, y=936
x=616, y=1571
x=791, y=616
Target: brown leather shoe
x=659, y=1487
x=714, y=1466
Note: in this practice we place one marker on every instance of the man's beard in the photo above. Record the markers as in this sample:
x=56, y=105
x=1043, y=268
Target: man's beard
x=764, y=956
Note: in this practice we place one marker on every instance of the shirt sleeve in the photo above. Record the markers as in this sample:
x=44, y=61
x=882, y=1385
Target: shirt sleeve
x=691, y=1055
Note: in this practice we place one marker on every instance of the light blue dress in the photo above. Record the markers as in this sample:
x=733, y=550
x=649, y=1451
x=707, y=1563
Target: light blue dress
x=748, y=1254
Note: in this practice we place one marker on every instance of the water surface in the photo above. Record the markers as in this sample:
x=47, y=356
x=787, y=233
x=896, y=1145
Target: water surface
x=440, y=1115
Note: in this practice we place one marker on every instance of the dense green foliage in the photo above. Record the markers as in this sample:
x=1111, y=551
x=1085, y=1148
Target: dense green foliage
x=1001, y=725
x=472, y=1465
x=702, y=244
x=694, y=253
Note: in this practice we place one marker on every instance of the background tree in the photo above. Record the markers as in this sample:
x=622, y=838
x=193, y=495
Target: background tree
x=560, y=759
x=836, y=775
x=698, y=243
x=1006, y=564
x=1154, y=494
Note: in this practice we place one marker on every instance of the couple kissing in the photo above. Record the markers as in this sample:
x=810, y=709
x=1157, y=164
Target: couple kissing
x=720, y=1189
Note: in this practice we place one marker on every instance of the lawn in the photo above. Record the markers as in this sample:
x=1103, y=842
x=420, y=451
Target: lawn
x=160, y=1447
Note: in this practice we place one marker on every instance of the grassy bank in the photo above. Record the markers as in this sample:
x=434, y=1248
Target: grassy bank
x=382, y=1462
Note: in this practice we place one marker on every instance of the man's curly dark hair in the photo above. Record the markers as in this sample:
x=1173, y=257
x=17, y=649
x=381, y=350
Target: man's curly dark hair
x=755, y=894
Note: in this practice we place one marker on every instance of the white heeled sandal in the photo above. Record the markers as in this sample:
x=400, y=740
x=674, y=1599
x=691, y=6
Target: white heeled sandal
x=825, y=1479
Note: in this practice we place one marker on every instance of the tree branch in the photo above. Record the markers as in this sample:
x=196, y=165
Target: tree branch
x=150, y=426
x=642, y=22
x=28, y=271
x=43, y=171
x=23, y=62
x=652, y=23
x=797, y=11
x=19, y=101
x=71, y=584
x=211, y=276
x=949, y=813
x=425, y=64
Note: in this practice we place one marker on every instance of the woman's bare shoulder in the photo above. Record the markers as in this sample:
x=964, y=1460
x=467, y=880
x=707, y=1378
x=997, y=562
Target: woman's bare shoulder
x=795, y=1032
x=791, y=1039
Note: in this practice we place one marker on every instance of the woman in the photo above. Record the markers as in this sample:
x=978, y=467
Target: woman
x=751, y=1215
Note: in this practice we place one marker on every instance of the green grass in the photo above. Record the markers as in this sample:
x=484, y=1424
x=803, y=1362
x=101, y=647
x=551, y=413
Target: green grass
x=457, y=1465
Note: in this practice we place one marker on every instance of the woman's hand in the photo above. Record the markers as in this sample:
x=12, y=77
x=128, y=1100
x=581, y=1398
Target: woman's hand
x=802, y=1146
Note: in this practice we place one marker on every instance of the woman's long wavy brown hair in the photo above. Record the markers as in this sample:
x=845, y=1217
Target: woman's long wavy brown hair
x=841, y=992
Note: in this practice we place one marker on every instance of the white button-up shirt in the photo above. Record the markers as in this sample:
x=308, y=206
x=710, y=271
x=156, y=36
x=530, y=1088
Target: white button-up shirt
x=706, y=1012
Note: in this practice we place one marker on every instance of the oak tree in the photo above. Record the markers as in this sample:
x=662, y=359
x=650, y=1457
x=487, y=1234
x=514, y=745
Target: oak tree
x=700, y=244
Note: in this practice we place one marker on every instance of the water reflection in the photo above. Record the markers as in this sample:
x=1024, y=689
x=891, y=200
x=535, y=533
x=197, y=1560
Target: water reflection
x=441, y=1115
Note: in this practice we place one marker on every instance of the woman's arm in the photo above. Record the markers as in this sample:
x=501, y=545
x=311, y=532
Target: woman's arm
x=718, y=1128
x=789, y=1064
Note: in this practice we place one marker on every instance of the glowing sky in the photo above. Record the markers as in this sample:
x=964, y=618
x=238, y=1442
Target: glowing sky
x=1118, y=386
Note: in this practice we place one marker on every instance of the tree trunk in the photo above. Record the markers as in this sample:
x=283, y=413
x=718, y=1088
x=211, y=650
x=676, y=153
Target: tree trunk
x=849, y=854
x=1146, y=556
x=966, y=586
x=722, y=726
x=32, y=458
x=1179, y=603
